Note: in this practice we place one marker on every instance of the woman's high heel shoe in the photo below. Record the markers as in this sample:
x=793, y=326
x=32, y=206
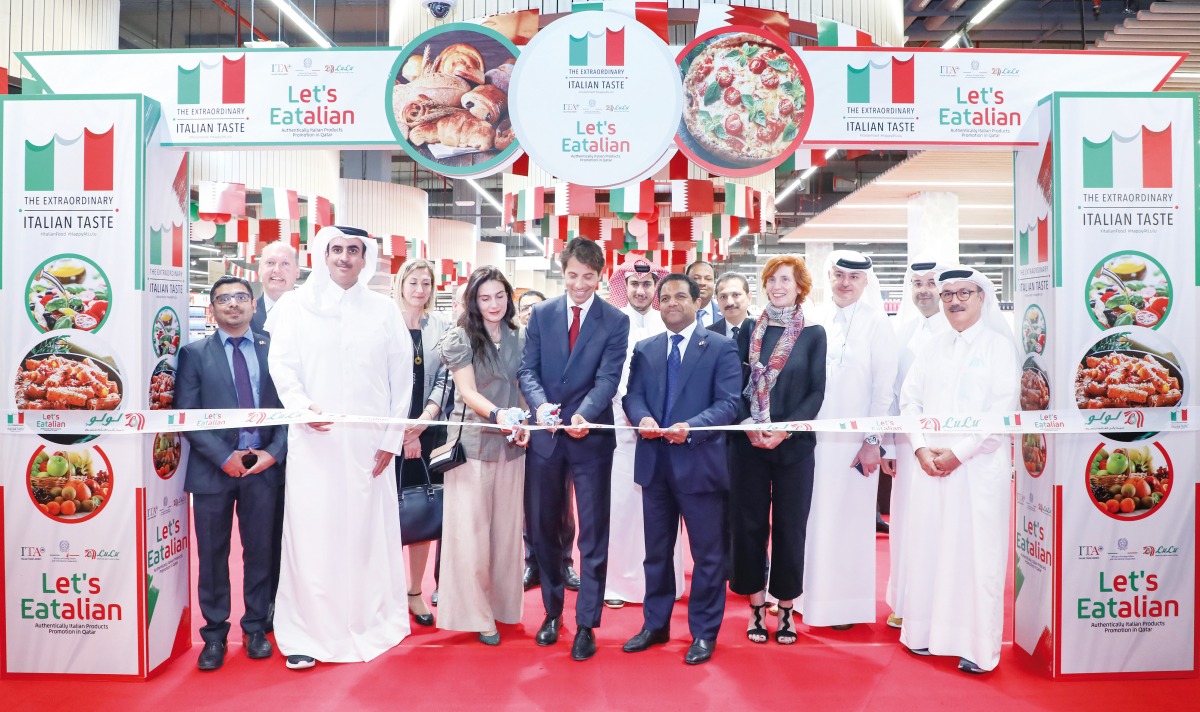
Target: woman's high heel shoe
x=786, y=635
x=757, y=632
x=421, y=619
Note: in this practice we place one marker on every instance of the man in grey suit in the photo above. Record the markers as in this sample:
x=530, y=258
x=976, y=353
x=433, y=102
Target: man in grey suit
x=232, y=468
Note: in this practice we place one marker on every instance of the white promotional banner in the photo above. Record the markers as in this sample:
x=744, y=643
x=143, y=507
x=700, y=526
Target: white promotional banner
x=1106, y=214
x=268, y=97
x=918, y=98
x=89, y=206
x=596, y=99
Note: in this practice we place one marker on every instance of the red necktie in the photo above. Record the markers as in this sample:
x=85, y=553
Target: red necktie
x=574, y=332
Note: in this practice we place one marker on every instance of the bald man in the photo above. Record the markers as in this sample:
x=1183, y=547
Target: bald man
x=278, y=269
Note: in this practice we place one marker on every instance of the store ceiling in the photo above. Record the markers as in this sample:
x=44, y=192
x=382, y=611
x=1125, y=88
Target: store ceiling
x=821, y=207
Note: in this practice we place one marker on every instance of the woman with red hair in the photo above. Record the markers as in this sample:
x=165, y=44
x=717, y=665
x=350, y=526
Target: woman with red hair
x=771, y=471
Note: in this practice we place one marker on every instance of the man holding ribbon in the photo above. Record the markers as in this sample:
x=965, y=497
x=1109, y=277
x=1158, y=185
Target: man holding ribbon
x=232, y=469
x=860, y=375
x=957, y=541
x=686, y=378
x=570, y=369
x=341, y=348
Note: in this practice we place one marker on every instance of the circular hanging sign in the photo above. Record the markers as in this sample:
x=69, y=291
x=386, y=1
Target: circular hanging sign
x=746, y=101
x=596, y=99
x=447, y=100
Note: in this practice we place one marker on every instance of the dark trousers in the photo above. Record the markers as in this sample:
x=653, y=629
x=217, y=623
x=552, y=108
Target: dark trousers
x=545, y=496
x=704, y=514
x=277, y=540
x=768, y=497
x=254, y=501
x=568, y=530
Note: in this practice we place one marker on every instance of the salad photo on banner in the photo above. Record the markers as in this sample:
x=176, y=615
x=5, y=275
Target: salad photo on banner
x=746, y=101
x=448, y=100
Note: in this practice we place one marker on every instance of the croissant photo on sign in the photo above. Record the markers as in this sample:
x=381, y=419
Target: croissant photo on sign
x=450, y=97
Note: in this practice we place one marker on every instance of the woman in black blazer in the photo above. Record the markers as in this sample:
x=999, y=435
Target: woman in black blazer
x=771, y=487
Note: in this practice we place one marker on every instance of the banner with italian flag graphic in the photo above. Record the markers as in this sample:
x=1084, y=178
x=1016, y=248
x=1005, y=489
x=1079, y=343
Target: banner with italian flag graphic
x=82, y=163
x=891, y=81
x=280, y=204
x=1106, y=285
x=598, y=49
x=629, y=200
x=651, y=14
x=93, y=210
x=213, y=82
x=831, y=33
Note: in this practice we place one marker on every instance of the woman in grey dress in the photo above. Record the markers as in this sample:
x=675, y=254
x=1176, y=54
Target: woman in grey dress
x=481, y=527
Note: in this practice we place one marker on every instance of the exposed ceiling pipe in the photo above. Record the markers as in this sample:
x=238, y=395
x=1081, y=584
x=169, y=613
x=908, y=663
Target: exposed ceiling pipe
x=241, y=20
x=939, y=21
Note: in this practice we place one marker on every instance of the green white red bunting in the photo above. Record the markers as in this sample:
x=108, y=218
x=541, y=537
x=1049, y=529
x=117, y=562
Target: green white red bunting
x=280, y=204
x=831, y=33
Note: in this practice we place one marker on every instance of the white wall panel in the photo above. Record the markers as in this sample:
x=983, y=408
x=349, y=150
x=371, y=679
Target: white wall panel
x=44, y=25
x=384, y=209
x=309, y=173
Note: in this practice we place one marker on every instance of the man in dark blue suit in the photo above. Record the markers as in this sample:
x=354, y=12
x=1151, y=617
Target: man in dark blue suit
x=574, y=354
x=232, y=468
x=685, y=378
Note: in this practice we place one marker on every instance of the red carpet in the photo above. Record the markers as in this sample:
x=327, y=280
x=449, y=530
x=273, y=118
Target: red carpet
x=861, y=669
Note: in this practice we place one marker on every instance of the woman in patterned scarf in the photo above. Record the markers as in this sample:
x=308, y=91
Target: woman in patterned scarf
x=771, y=473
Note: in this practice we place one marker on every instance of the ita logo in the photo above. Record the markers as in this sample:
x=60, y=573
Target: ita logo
x=222, y=82
x=888, y=82
x=83, y=163
x=1142, y=160
x=598, y=49
x=1033, y=243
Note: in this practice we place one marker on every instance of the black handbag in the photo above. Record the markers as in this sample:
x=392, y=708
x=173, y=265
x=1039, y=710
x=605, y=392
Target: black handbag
x=451, y=455
x=420, y=511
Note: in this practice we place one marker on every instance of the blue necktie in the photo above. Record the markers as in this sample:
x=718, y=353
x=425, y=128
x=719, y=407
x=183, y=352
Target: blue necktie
x=674, y=361
x=241, y=383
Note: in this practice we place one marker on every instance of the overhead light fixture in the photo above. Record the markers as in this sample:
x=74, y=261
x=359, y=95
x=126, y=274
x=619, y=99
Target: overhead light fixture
x=204, y=248
x=301, y=20
x=541, y=246
x=985, y=12
x=485, y=195
x=791, y=188
x=952, y=184
x=464, y=203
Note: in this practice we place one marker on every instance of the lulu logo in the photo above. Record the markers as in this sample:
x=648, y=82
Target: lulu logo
x=176, y=418
x=166, y=246
x=256, y=418
x=82, y=163
x=598, y=49
x=135, y=421
x=221, y=82
x=1134, y=418
x=1141, y=160
x=889, y=82
x=1034, y=243
x=931, y=424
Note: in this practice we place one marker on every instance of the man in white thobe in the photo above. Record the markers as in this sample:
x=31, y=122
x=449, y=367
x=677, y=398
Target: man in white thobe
x=860, y=375
x=632, y=288
x=919, y=319
x=338, y=347
x=957, y=541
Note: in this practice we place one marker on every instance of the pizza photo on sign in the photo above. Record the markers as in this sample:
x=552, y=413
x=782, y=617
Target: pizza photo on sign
x=745, y=101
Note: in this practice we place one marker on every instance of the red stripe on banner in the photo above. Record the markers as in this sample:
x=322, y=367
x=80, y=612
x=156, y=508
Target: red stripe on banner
x=243, y=231
x=775, y=21
x=233, y=80
x=294, y=241
x=269, y=230
x=3, y=90
x=177, y=245
x=520, y=167
x=1156, y=158
x=143, y=650
x=324, y=211
x=654, y=16
x=701, y=196
x=98, y=160
x=862, y=39
x=589, y=227
x=614, y=49
x=580, y=199
x=3, y=593
x=903, y=91
x=1043, y=240
x=818, y=157
x=678, y=168
x=646, y=195
x=510, y=209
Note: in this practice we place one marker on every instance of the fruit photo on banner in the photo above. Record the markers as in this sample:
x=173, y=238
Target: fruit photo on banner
x=1129, y=482
x=449, y=100
x=165, y=454
x=71, y=484
x=68, y=291
x=746, y=103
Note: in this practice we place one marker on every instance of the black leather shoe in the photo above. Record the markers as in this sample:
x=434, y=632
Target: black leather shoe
x=584, y=646
x=570, y=579
x=532, y=578
x=548, y=633
x=257, y=646
x=700, y=652
x=269, y=625
x=969, y=667
x=646, y=639
x=213, y=655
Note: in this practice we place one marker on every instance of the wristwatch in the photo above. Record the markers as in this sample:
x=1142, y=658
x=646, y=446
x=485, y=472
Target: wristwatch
x=871, y=440
x=492, y=415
